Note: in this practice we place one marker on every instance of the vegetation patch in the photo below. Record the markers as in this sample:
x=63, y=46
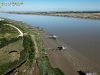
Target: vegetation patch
x=7, y=31
x=26, y=50
x=5, y=41
x=26, y=53
x=44, y=65
x=5, y=57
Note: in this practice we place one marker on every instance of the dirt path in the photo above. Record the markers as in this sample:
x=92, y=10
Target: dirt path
x=34, y=66
x=21, y=33
x=36, y=47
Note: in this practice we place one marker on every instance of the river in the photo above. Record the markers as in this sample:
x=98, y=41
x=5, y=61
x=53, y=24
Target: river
x=83, y=35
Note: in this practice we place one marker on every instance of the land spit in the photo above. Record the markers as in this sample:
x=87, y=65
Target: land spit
x=87, y=15
x=68, y=60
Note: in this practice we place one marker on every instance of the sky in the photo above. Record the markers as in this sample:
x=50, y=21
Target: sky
x=53, y=5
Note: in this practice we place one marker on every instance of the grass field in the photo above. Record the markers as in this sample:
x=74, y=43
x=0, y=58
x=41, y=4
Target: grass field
x=6, y=57
x=8, y=35
x=7, y=31
x=14, y=51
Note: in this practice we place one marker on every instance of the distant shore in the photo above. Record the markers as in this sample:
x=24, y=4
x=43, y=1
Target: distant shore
x=86, y=15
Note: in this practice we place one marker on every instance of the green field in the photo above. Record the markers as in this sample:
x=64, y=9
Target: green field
x=6, y=56
x=14, y=51
x=7, y=31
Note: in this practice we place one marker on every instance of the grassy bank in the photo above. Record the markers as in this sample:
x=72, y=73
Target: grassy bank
x=43, y=63
x=27, y=54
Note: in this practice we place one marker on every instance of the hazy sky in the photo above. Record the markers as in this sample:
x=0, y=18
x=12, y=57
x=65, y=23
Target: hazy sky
x=53, y=5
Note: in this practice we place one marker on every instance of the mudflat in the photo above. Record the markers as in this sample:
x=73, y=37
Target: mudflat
x=68, y=60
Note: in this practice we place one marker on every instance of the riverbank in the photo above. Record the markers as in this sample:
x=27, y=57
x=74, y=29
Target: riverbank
x=64, y=14
x=68, y=60
x=35, y=63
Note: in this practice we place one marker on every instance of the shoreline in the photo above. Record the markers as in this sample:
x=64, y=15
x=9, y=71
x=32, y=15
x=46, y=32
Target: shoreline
x=69, y=56
x=95, y=16
x=76, y=60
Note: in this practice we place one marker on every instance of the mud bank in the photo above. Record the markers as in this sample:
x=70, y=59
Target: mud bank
x=68, y=60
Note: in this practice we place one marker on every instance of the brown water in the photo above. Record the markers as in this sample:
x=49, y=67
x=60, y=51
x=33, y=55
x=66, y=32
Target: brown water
x=83, y=35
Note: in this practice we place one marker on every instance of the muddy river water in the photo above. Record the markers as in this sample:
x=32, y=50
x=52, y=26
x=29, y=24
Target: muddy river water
x=83, y=35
